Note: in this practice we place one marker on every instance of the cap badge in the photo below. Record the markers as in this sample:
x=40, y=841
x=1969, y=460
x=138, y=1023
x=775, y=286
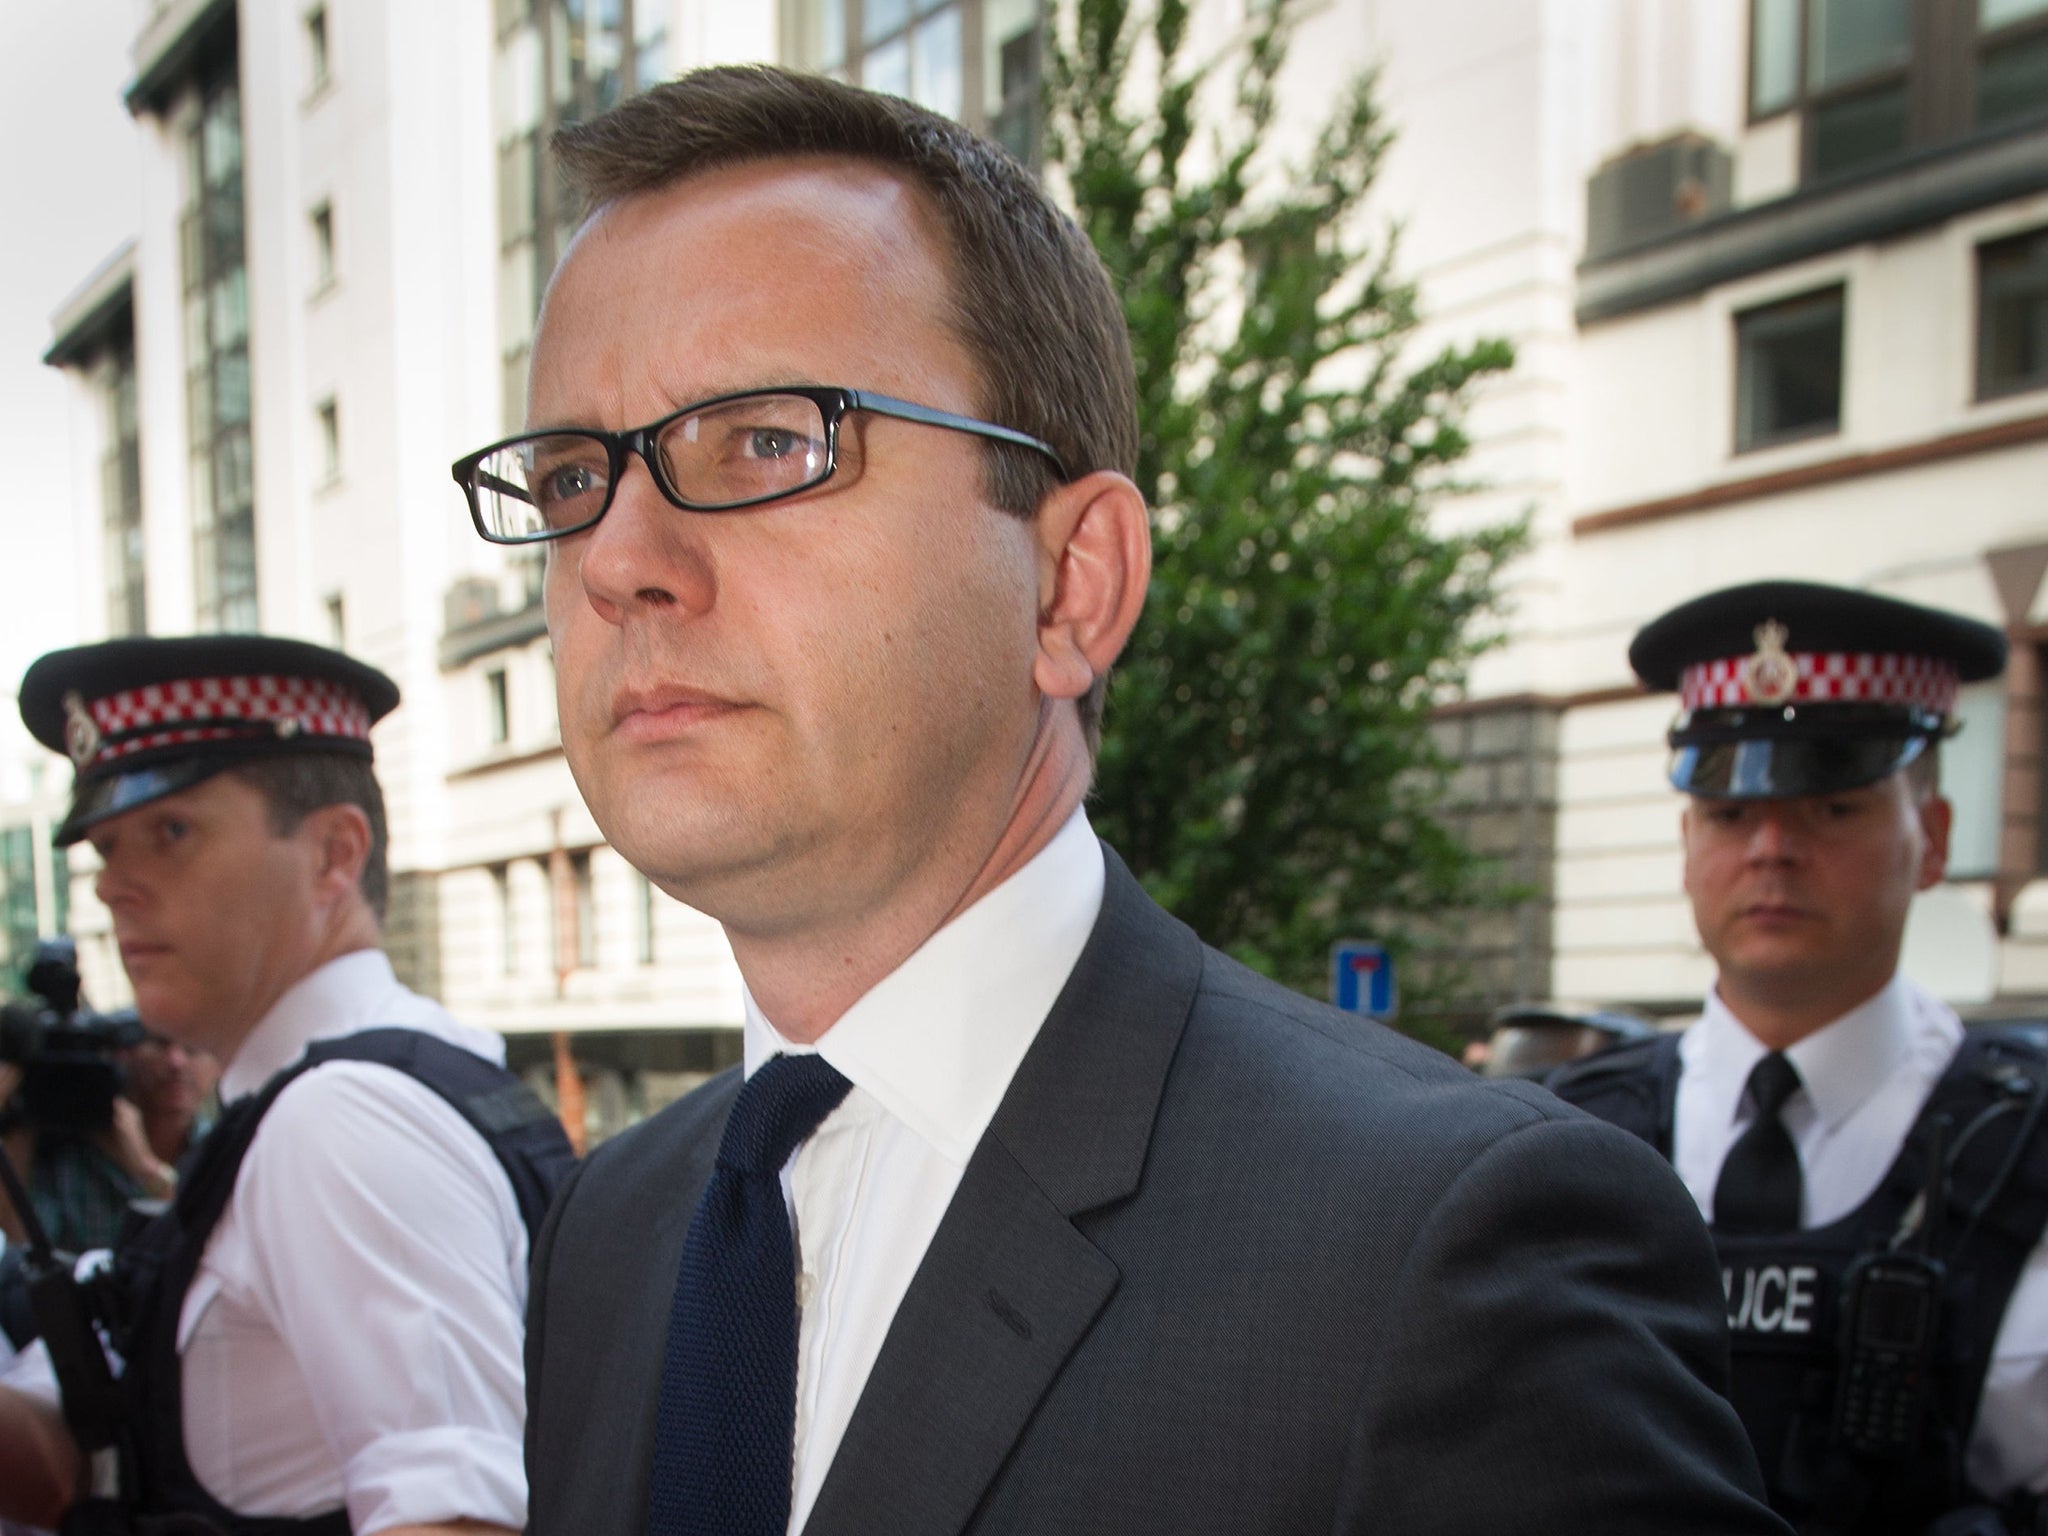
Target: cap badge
x=82, y=739
x=1770, y=676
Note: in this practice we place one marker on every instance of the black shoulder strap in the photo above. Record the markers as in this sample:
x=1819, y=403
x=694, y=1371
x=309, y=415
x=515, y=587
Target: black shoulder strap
x=523, y=1132
x=1634, y=1086
x=1993, y=1096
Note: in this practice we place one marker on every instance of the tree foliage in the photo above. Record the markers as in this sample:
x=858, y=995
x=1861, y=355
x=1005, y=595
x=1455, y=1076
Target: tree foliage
x=1266, y=766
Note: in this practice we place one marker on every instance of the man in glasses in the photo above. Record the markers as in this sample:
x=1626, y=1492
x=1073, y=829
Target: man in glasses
x=1876, y=1177
x=1027, y=1212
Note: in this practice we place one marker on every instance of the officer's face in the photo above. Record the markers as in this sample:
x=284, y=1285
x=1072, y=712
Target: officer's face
x=214, y=912
x=1802, y=902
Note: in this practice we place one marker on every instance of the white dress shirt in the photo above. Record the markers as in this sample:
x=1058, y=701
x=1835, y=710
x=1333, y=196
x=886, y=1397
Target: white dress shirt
x=1865, y=1077
x=930, y=1051
x=353, y=1334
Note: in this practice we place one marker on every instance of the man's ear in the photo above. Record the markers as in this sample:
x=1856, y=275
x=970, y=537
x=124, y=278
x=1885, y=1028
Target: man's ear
x=340, y=836
x=1094, y=560
x=1936, y=818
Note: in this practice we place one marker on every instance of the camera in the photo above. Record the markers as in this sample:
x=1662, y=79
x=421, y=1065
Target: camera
x=68, y=1054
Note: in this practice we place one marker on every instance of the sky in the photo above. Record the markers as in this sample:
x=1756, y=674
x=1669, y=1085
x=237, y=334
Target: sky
x=70, y=181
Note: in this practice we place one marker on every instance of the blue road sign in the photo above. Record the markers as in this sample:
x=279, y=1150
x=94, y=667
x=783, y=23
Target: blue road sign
x=1362, y=978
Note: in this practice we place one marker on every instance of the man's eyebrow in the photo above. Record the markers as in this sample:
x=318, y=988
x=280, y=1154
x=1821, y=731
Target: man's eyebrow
x=683, y=402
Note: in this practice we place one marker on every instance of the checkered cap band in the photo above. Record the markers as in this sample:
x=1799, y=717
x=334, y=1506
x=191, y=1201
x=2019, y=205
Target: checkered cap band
x=1827, y=677
x=197, y=709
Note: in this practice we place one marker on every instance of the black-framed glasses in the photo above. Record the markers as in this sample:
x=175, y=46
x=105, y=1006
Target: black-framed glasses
x=718, y=455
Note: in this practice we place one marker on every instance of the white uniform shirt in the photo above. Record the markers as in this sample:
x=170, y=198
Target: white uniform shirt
x=930, y=1052
x=354, y=1331
x=1865, y=1077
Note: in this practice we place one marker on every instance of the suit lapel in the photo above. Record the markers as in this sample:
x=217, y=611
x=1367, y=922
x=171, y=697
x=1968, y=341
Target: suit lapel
x=1009, y=1286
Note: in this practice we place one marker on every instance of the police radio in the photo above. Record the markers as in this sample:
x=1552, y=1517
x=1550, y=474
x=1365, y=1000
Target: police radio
x=1891, y=1316
x=1890, y=1327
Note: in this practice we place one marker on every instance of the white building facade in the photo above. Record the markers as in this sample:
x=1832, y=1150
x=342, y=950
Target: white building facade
x=347, y=218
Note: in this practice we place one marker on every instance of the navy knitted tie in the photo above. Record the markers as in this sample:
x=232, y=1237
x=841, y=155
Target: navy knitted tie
x=724, y=1430
x=1761, y=1188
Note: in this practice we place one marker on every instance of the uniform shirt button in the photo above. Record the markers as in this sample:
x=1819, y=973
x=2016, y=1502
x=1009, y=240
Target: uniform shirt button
x=806, y=1288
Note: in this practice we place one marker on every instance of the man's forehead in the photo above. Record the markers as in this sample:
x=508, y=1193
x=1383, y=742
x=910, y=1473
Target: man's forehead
x=768, y=272
x=780, y=186
x=817, y=216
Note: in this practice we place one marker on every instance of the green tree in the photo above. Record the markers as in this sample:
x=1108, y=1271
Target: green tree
x=1266, y=765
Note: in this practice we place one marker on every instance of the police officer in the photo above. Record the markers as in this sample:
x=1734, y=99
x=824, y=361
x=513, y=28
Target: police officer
x=323, y=1332
x=1875, y=1177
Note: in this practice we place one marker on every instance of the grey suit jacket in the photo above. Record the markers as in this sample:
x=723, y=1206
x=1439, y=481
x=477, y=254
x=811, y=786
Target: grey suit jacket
x=1225, y=1261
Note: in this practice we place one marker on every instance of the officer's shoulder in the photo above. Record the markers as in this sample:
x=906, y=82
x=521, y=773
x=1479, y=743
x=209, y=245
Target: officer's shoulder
x=1617, y=1062
x=333, y=1108
x=2002, y=1040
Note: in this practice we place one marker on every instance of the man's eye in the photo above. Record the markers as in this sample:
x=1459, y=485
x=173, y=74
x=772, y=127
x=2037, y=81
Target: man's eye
x=173, y=829
x=566, y=483
x=772, y=443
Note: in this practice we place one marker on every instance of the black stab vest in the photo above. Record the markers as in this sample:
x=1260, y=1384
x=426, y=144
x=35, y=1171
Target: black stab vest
x=1785, y=1291
x=155, y=1268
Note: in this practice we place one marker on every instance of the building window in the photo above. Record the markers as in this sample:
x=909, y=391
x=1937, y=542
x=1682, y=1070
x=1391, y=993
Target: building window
x=559, y=61
x=316, y=49
x=328, y=416
x=216, y=320
x=1013, y=90
x=643, y=925
x=337, y=622
x=2012, y=314
x=508, y=928
x=2012, y=59
x=586, y=909
x=322, y=222
x=121, y=495
x=975, y=60
x=23, y=917
x=500, y=706
x=1788, y=370
x=1874, y=78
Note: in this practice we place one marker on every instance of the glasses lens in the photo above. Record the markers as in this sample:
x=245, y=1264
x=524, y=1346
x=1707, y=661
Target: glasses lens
x=543, y=485
x=745, y=450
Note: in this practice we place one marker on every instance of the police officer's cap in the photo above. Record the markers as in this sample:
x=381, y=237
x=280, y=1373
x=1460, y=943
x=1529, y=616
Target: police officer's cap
x=1794, y=688
x=1532, y=1039
x=145, y=717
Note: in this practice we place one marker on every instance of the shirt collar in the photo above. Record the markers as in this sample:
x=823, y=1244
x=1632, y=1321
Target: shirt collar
x=339, y=998
x=1841, y=1064
x=938, y=1039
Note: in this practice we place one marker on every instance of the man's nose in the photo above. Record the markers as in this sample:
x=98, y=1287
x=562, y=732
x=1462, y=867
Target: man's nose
x=1778, y=834
x=644, y=554
x=114, y=886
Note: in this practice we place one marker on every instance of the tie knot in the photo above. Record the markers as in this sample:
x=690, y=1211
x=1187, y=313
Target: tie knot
x=1772, y=1081
x=777, y=1108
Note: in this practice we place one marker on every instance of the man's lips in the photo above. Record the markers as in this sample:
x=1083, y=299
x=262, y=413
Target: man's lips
x=656, y=713
x=134, y=950
x=1775, y=912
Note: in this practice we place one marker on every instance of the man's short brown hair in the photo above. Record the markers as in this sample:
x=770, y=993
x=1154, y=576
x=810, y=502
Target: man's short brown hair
x=297, y=786
x=1031, y=299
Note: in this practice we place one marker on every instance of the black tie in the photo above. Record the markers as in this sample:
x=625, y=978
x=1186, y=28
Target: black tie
x=1760, y=1186
x=726, y=1420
